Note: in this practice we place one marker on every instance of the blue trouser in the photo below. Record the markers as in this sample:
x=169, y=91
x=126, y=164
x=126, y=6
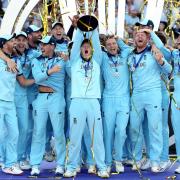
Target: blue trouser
x=51, y=104
x=165, y=129
x=49, y=135
x=67, y=119
x=86, y=154
x=116, y=116
x=32, y=94
x=80, y=111
x=21, y=103
x=8, y=120
x=2, y=144
x=86, y=147
x=146, y=135
x=149, y=102
x=176, y=122
x=127, y=145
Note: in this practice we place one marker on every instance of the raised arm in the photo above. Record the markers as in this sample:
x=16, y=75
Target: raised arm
x=75, y=51
x=165, y=51
x=123, y=46
x=165, y=67
x=97, y=52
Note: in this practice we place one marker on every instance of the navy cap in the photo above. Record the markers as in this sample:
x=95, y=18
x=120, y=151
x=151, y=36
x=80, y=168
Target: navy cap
x=48, y=40
x=56, y=23
x=22, y=33
x=5, y=38
x=176, y=32
x=145, y=22
x=165, y=23
x=34, y=28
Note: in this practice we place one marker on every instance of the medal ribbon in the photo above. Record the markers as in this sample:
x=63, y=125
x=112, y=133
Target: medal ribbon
x=86, y=67
x=114, y=62
x=136, y=63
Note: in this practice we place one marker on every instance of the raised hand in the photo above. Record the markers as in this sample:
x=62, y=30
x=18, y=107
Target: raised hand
x=12, y=66
x=54, y=69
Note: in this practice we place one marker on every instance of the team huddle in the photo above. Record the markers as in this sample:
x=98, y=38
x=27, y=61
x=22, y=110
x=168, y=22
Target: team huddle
x=102, y=99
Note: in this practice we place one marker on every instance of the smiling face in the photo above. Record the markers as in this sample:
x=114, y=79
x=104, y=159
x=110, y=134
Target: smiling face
x=58, y=32
x=21, y=43
x=36, y=36
x=112, y=46
x=9, y=45
x=86, y=50
x=47, y=49
x=141, y=39
x=177, y=42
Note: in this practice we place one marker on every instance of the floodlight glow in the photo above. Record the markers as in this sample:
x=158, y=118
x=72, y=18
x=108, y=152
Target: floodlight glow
x=68, y=8
x=66, y=11
x=154, y=11
x=121, y=18
x=10, y=16
x=111, y=16
x=102, y=17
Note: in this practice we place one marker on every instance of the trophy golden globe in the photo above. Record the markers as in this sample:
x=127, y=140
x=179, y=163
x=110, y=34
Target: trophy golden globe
x=87, y=22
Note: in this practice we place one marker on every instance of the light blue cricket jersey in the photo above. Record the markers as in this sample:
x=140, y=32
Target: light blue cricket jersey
x=26, y=70
x=164, y=81
x=8, y=81
x=61, y=45
x=167, y=55
x=158, y=43
x=146, y=75
x=41, y=65
x=30, y=55
x=176, y=71
x=85, y=76
x=116, y=73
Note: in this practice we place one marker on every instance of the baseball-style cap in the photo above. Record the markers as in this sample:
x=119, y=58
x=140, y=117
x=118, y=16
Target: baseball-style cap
x=34, y=28
x=5, y=38
x=48, y=40
x=176, y=32
x=145, y=22
x=22, y=33
x=57, y=23
x=165, y=23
